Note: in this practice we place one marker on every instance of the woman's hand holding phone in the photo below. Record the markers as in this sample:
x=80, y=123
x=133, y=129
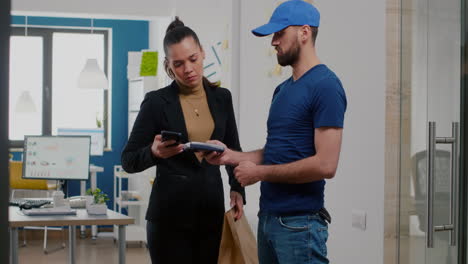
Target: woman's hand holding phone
x=165, y=149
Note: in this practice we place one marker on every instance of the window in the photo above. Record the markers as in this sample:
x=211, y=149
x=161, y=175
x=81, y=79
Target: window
x=26, y=58
x=44, y=69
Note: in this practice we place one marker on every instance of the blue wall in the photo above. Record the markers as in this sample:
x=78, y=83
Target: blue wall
x=127, y=35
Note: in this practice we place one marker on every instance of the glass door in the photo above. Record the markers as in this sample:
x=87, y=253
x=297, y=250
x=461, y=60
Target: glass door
x=430, y=131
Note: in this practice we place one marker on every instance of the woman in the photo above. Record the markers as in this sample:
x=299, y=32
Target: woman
x=186, y=207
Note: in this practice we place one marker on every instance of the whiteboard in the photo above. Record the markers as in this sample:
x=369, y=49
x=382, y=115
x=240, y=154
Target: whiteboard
x=56, y=157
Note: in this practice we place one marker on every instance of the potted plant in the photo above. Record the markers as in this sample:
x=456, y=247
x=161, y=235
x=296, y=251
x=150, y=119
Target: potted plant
x=96, y=203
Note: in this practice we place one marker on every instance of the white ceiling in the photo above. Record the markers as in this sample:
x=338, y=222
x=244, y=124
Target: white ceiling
x=96, y=8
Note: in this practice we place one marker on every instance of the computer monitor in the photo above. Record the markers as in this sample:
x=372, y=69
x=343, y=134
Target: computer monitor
x=56, y=157
x=97, y=137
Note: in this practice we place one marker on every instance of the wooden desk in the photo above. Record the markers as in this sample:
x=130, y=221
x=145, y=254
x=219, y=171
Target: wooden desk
x=17, y=219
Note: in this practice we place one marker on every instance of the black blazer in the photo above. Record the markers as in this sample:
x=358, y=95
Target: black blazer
x=185, y=191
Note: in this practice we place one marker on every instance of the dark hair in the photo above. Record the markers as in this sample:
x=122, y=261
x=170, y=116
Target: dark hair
x=314, y=34
x=175, y=33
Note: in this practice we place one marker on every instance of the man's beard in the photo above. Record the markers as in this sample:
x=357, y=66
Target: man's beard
x=290, y=57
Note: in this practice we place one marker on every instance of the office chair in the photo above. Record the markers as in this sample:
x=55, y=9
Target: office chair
x=26, y=188
x=442, y=183
x=441, y=186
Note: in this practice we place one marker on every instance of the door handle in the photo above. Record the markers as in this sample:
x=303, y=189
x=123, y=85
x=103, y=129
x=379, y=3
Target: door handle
x=452, y=227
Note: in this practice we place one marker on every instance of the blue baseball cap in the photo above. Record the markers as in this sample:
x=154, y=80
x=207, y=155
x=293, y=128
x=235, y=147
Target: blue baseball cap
x=290, y=13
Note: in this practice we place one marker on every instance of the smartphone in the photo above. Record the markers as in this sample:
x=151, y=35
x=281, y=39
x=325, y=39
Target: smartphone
x=170, y=135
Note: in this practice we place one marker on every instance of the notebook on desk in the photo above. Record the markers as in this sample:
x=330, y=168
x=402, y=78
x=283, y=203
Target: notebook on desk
x=49, y=211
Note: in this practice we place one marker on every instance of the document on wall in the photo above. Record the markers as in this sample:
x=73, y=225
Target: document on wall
x=149, y=63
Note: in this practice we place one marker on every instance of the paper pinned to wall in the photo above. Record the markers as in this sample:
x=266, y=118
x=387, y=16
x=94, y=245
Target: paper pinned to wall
x=149, y=63
x=214, y=61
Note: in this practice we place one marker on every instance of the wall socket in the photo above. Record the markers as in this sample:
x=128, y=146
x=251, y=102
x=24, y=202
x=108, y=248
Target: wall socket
x=358, y=219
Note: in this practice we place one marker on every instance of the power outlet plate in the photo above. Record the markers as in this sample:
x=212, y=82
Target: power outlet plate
x=358, y=219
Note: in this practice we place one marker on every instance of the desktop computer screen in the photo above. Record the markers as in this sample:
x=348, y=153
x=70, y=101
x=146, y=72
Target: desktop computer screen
x=97, y=137
x=56, y=157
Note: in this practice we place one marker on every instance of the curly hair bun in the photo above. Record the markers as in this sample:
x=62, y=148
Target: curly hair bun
x=175, y=24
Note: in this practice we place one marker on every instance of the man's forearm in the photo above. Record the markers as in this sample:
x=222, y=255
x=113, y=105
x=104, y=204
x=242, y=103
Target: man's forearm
x=255, y=156
x=301, y=171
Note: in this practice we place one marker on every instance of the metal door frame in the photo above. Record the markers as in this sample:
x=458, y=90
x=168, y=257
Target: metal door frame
x=463, y=198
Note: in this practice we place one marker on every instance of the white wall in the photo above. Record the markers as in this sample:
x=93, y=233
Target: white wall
x=351, y=42
x=357, y=53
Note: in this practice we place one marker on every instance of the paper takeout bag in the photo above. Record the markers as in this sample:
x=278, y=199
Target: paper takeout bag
x=238, y=244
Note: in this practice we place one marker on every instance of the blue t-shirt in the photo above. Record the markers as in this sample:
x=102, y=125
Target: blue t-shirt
x=317, y=99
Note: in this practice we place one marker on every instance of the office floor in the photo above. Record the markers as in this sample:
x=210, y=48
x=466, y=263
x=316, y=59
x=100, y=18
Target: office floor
x=103, y=250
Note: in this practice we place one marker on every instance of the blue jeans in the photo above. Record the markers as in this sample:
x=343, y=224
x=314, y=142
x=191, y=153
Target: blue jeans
x=292, y=239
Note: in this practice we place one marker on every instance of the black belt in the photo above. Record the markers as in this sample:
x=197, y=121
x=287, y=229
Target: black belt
x=325, y=215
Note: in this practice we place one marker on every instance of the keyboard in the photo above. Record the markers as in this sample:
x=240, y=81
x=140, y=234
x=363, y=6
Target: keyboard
x=34, y=203
x=49, y=211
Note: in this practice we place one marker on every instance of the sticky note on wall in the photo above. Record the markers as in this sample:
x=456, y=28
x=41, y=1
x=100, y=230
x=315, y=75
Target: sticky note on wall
x=149, y=63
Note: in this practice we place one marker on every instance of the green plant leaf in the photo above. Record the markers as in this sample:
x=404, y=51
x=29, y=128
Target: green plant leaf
x=98, y=195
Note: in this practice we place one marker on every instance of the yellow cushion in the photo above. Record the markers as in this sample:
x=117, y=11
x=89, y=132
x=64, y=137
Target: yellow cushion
x=16, y=182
